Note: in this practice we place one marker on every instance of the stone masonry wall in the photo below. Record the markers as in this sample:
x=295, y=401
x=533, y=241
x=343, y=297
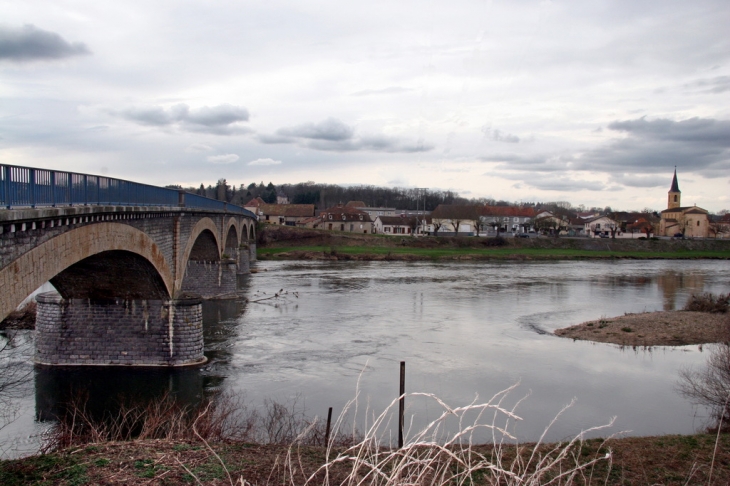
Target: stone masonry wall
x=244, y=266
x=118, y=332
x=210, y=279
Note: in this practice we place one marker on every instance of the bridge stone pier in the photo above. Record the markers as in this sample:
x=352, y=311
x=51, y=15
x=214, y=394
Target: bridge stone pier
x=130, y=278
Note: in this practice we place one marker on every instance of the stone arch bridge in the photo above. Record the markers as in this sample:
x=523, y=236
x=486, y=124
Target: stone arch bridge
x=130, y=277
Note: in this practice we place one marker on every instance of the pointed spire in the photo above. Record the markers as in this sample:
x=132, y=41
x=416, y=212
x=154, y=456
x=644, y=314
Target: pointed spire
x=675, y=185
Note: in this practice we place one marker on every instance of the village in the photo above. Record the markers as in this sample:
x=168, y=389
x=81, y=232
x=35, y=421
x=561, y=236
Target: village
x=519, y=221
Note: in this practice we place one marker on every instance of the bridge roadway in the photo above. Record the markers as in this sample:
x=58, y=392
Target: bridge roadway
x=130, y=276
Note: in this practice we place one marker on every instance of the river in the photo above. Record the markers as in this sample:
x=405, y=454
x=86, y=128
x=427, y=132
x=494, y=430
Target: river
x=465, y=330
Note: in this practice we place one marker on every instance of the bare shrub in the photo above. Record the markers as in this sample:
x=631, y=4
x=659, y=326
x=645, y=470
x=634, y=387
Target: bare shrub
x=708, y=302
x=223, y=417
x=226, y=418
x=710, y=385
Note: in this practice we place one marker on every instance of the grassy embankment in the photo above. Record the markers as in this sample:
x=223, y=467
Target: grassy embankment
x=277, y=242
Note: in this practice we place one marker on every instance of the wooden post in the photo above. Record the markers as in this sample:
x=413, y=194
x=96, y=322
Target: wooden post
x=327, y=434
x=402, y=404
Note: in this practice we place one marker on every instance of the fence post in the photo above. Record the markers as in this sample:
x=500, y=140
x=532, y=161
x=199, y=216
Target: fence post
x=6, y=185
x=86, y=190
x=53, y=188
x=402, y=403
x=31, y=185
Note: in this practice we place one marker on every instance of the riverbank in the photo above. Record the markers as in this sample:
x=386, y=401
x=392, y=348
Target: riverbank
x=668, y=328
x=288, y=243
x=666, y=460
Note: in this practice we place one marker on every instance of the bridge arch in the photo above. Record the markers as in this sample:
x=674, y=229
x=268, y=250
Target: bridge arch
x=201, y=226
x=79, y=250
x=232, y=232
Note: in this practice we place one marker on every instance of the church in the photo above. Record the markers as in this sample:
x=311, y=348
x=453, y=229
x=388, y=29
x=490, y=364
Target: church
x=690, y=221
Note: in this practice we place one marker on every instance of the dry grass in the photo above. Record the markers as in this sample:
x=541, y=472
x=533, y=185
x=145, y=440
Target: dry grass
x=207, y=453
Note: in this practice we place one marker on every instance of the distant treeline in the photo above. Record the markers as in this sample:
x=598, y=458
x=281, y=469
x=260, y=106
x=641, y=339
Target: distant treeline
x=328, y=195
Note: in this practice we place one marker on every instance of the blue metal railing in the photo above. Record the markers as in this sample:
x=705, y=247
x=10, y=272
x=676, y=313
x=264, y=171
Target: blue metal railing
x=29, y=187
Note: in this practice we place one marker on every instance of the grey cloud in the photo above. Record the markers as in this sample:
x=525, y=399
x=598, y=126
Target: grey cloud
x=633, y=180
x=715, y=85
x=378, y=143
x=385, y=91
x=499, y=136
x=330, y=129
x=561, y=184
x=693, y=130
x=274, y=139
x=153, y=116
x=218, y=120
x=335, y=136
x=217, y=115
x=697, y=144
x=30, y=43
x=532, y=163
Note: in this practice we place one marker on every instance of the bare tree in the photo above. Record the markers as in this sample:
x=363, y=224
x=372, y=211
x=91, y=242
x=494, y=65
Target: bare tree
x=710, y=386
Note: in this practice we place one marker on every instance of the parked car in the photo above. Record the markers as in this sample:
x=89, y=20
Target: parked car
x=679, y=236
x=522, y=235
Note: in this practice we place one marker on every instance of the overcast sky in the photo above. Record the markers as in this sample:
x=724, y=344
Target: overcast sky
x=592, y=102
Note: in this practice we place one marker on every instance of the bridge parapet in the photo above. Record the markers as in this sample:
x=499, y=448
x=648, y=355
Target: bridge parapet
x=34, y=188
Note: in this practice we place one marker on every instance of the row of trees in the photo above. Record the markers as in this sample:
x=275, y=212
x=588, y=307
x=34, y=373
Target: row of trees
x=327, y=195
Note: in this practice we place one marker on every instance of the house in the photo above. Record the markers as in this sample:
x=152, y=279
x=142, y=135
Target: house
x=641, y=225
x=452, y=219
x=314, y=222
x=601, y=226
x=547, y=223
x=254, y=204
x=689, y=221
x=281, y=198
x=285, y=214
x=720, y=227
x=395, y=225
x=346, y=218
x=515, y=219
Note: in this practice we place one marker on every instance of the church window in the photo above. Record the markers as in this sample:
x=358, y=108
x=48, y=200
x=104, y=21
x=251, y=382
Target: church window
x=675, y=198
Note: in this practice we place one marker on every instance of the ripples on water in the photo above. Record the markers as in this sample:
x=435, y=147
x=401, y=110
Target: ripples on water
x=463, y=329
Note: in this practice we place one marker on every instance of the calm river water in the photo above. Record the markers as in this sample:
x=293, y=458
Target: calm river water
x=464, y=330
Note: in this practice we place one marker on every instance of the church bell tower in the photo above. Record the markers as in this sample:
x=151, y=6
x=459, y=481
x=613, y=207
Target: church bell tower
x=675, y=195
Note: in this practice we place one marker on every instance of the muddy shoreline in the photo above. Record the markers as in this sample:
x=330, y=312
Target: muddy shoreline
x=665, y=328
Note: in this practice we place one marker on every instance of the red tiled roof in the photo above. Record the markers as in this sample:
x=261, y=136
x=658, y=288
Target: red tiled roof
x=255, y=202
x=344, y=213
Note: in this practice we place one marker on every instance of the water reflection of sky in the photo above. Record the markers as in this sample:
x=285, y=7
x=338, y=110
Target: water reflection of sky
x=463, y=329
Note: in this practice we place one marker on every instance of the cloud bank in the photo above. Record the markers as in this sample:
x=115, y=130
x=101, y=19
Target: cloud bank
x=30, y=43
x=334, y=135
x=217, y=120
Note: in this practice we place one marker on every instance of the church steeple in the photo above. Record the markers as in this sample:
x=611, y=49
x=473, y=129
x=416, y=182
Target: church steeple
x=675, y=195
